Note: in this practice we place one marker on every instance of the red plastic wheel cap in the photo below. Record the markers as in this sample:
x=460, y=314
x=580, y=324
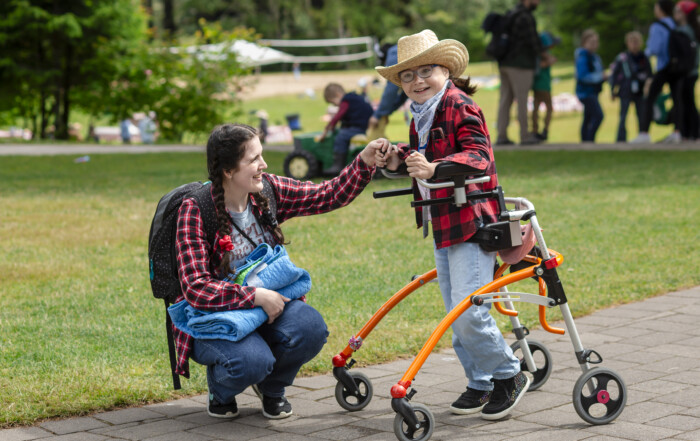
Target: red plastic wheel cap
x=603, y=397
x=398, y=391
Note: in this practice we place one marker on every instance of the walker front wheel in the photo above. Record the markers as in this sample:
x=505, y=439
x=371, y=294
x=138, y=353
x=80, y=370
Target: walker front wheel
x=426, y=425
x=599, y=396
x=354, y=402
x=543, y=362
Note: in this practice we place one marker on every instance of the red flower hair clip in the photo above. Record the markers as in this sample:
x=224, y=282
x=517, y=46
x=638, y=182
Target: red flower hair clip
x=225, y=243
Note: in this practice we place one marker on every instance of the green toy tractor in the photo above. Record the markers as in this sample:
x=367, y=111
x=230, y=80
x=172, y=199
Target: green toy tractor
x=310, y=157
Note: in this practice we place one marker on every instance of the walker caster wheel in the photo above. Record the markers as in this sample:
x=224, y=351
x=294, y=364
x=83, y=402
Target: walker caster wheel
x=350, y=401
x=605, y=401
x=423, y=432
x=543, y=362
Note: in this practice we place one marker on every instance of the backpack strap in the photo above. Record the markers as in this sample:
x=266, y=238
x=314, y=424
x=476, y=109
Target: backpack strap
x=207, y=209
x=269, y=193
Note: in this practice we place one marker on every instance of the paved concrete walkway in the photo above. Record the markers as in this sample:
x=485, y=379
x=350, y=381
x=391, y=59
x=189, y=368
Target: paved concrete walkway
x=652, y=344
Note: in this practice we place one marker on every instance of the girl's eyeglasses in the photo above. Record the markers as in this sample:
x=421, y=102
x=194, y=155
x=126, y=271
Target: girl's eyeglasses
x=408, y=76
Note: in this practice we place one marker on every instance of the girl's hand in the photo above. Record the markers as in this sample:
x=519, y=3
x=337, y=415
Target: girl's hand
x=388, y=158
x=271, y=302
x=419, y=167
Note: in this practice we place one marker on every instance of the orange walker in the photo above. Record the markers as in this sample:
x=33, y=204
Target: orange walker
x=599, y=394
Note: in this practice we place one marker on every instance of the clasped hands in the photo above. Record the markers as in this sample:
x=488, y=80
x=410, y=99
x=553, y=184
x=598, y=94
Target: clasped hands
x=386, y=155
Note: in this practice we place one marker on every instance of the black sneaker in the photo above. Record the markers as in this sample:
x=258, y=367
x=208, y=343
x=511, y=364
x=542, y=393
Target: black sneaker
x=506, y=395
x=275, y=408
x=471, y=401
x=218, y=410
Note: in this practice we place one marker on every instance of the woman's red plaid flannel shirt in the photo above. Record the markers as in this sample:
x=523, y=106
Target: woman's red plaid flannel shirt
x=197, y=261
x=458, y=134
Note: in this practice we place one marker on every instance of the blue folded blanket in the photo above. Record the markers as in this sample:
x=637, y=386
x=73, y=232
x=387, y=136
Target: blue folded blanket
x=265, y=267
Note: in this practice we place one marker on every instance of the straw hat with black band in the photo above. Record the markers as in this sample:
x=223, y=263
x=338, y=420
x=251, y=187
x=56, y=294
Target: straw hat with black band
x=425, y=48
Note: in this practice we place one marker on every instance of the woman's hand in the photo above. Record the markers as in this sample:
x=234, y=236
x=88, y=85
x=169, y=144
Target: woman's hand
x=419, y=167
x=272, y=302
x=369, y=153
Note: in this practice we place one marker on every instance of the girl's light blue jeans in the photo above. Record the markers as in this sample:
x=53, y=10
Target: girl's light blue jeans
x=269, y=357
x=479, y=344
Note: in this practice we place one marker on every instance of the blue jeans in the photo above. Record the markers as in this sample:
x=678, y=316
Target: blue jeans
x=341, y=144
x=625, y=102
x=479, y=344
x=269, y=357
x=592, y=117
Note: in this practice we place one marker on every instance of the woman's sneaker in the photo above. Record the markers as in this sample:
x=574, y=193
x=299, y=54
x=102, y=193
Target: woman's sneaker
x=275, y=408
x=218, y=410
x=506, y=395
x=471, y=401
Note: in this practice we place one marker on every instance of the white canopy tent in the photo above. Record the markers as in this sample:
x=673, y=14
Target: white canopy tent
x=255, y=55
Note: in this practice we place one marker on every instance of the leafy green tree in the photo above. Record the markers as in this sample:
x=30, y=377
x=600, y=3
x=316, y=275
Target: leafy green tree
x=52, y=51
x=191, y=88
x=612, y=20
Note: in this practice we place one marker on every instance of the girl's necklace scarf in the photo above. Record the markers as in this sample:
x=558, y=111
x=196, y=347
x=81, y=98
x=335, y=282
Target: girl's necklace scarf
x=423, y=115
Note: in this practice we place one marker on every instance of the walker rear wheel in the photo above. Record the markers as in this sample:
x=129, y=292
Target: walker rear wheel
x=543, y=362
x=350, y=401
x=599, y=396
x=422, y=433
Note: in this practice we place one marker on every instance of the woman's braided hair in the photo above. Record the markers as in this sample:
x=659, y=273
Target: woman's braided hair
x=225, y=149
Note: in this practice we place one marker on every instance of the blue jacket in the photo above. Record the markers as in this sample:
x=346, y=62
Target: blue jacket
x=265, y=267
x=589, y=73
x=393, y=96
x=657, y=42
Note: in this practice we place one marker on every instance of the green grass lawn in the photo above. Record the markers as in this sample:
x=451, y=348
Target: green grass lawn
x=565, y=127
x=80, y=331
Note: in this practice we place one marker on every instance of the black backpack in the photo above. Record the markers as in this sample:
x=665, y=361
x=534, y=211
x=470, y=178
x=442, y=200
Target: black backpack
x=682, y=50
x=499, y=26
x=162, y=255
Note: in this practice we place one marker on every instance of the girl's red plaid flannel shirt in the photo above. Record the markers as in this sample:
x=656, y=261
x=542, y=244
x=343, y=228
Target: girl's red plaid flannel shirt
x=458, y=134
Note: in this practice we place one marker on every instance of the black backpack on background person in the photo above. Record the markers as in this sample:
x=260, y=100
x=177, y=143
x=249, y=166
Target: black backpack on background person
x=682, y=50
x=162, y=254
x=499, y=26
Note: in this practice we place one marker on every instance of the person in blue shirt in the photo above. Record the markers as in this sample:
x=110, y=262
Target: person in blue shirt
x=657, y=45
x=393, y=97
x=589, y=82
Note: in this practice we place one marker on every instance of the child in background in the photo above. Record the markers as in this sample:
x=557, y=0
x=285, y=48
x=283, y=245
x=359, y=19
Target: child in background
x=630, y=71
x=448, y=126
x=353, y=113
x=589, y=82
x=542, y=86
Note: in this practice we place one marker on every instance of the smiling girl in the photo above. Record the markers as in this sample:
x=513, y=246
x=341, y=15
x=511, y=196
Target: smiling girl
x=449, y=126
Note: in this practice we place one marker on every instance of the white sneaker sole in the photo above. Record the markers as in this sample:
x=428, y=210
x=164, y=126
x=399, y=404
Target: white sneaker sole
x=281, y=416
x=459, y=411
x=505, y=413
x=227, y=416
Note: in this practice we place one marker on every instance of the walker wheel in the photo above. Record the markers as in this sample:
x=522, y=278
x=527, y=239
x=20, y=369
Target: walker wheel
x=599, y=396
x=423, y=432
x=350, y=401
x=543, y=362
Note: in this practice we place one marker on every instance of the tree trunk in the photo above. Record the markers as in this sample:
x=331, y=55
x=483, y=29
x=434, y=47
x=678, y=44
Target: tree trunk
x=42, y=103
x=148, y=6
x=169, y=17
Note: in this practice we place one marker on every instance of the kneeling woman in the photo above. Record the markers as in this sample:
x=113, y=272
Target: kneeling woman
x=270, y=357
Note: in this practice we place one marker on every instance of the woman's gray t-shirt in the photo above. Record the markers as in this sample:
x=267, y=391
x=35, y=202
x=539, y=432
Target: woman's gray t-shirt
x=247, y=222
